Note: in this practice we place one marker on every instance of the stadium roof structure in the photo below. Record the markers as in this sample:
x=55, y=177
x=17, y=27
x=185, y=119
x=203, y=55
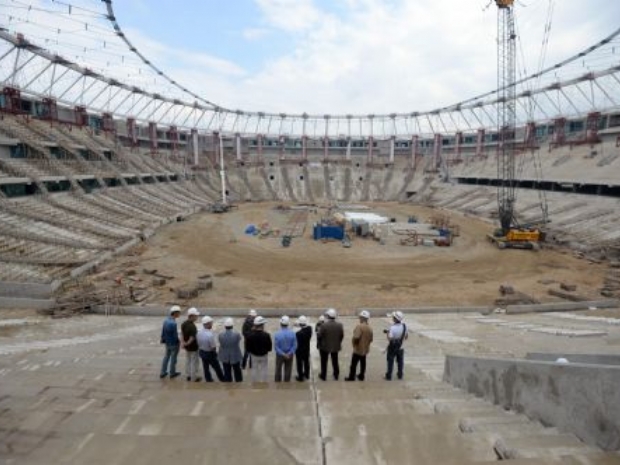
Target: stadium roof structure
x=81, y=56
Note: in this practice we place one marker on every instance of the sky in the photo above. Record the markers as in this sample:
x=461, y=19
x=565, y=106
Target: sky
x=348, y=56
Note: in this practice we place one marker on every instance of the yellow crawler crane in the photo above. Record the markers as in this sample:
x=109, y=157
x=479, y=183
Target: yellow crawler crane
x=509, y=235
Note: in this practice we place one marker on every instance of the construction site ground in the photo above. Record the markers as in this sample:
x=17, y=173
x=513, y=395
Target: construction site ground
x=86, y=390
x=257, y=271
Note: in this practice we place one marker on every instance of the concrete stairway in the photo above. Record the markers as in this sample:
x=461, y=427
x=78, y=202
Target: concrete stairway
x=93, y=397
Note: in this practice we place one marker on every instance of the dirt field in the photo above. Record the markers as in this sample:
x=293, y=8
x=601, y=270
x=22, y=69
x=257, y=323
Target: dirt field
x=249, y=271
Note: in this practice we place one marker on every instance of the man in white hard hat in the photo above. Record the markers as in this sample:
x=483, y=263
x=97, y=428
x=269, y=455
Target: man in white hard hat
x=170, y=337
x=230, y=352
x=259, y=345
x=396, y=335
x=302, y=354
x=330, y=338
x=246, y=329
x=190, y=344
x=362, y=338
x=285, y=343
x=207, y=350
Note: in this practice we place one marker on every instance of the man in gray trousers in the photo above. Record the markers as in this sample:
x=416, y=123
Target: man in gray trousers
x=230, y=352
x=330, y=338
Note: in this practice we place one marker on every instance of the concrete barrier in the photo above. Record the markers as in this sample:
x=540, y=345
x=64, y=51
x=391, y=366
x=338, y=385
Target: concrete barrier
x=32, y=304
x=561, y=306
x=162, y=310
x=590, y=359
x=377, y=312
x=158, y=310
x=579, y=398
x=26, y=290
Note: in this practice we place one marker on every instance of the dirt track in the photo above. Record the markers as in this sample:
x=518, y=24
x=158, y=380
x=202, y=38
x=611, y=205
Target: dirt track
x=253, y=272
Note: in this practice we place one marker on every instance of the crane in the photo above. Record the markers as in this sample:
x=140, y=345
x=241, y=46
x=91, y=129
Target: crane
x=509, y=235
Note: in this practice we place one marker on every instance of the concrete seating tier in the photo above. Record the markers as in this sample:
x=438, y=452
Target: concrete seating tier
x=597, y=164
x=38, y=209
x=584, y=222
x=87, y=391
x=123, y=219
x=17, y=226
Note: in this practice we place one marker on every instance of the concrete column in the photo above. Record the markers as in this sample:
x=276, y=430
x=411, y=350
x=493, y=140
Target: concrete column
x=348, y=152
x=458, y=140
x=259, y=147
x=480, y=143
x=436, y=151
x=325, y=148
x=371, y=142
x=195, y=146
x=282, y=141
x=238, y=146
x=304, y=147
x=414, y=150
x=392, y=148
x=153, y=136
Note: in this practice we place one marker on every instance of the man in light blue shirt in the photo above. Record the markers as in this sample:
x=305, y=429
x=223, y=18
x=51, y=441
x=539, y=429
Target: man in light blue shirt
x=207, y=350
x=285, y=343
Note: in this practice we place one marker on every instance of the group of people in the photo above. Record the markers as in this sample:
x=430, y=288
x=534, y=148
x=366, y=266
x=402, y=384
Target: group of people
x=228, y=362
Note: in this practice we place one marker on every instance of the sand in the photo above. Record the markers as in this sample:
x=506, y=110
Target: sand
x=249, y=271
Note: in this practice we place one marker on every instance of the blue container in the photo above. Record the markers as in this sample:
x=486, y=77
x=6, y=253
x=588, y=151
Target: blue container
x=328, y=232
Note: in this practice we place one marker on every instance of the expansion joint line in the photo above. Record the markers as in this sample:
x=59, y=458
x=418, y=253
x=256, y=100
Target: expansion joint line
x=317, y=409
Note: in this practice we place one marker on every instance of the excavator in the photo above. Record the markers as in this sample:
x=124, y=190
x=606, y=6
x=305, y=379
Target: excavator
x=510, y=235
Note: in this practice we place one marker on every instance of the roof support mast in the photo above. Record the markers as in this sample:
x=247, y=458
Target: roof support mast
x=506, y=111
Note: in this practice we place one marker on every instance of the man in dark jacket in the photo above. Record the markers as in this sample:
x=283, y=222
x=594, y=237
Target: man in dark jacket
x=230, y=352
x=246, y=329
x=330, y=337
x=259, y=345
x=189, y=332
x=302, y=355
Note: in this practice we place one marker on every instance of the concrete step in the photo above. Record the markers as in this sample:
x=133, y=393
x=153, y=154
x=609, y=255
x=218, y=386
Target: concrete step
x=537, y=445
x=104, y=449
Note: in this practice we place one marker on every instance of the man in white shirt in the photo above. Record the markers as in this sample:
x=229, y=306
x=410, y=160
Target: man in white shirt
x=396, y=335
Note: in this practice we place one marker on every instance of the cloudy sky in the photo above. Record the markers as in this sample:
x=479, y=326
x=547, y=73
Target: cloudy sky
x=348, y=56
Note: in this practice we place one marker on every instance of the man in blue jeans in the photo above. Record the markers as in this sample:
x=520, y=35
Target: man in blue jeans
x=170, y=337
x=396, y=335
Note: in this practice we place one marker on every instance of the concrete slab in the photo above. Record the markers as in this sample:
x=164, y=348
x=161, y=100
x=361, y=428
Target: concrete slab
x=101, y=402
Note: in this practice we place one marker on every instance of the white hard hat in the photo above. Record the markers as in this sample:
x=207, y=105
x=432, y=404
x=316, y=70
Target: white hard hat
x=398, y=316
x=322, y=318
x=259, y=321
x=285, y=320
x=302, y=321
x=206, y=320
x=193, y=311
x=228, y=323
x=252, y=312
x=365, y=314
x=562, y=361
x=174, y=309
x=331, y=313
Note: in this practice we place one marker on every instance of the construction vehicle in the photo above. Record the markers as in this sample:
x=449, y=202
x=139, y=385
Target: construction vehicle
x=219, y=207
x=510, y=234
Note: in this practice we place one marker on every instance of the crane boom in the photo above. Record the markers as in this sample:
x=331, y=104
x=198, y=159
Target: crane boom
x=506, y=112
